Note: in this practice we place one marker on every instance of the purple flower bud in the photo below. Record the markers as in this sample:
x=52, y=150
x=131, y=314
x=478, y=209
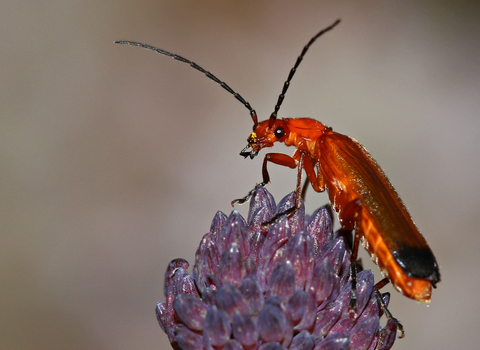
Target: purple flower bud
x=282, y=283
x=365, y=282
x=189, y=340
x=166, y=317
x=364, y=293
x=363, y=333
x=323, y=282
x=207, y=259
x=273, y=251
x=344, y=325
x=334, y=251
x=244, y=329
x=232, y=344
x=299, y=251
x=273, y=323
x=191, y=311
x=181, y=282
x=386, y=337
x=234, y=231
x=231, y=300
x=253, y=295
x=326, y=318
x=209, y=296
x=320, y=227
x=271, y=346
x=297, y=219
x=161, y=311
x=256, y=241
x=371, y=309
x=302, y=341
x=171, y=270
x=302, y=309
x=217, y=327
x=231, y=269
x=338, y=341
x=271, y=287
x=218, y=222
x=262, y=208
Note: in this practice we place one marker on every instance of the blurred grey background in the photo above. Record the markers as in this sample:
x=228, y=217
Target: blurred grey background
x=114, y=159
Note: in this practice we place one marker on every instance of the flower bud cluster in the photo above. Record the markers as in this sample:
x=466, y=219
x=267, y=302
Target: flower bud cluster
x=270, y=288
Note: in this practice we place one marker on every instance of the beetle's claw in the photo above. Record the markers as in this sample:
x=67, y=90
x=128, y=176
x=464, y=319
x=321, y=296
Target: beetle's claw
x=249, y=195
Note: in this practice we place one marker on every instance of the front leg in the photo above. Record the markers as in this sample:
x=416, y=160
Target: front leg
x=277, y=158
x=304, y=162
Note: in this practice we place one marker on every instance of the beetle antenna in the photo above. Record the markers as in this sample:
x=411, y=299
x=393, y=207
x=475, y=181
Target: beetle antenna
x=253, y=114
x=273, y=116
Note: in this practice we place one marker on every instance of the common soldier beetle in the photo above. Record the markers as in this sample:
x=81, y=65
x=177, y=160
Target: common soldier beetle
x=359, y=192
x=358, y=189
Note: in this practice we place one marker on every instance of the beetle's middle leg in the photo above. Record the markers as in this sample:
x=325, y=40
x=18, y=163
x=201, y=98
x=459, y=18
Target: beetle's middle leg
x=304, y=163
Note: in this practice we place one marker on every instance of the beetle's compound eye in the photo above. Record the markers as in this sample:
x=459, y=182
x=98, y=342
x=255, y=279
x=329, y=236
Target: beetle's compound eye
x=279, y=132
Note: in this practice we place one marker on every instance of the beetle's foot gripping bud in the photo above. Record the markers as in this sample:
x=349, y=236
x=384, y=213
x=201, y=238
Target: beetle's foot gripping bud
x=383, y=306
x=352, y=304
x=249, y=195
x=248, y=152
x=288, y=213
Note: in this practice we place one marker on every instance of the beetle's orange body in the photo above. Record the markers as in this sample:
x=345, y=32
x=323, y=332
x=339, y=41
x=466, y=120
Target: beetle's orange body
x=358, y=189
x=361, y=194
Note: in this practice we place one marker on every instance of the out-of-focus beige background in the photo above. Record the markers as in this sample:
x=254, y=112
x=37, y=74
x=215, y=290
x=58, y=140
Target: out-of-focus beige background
x=114, y=160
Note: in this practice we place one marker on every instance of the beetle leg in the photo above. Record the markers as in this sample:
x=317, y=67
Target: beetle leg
x=379, y=285
x=310, y=171
x=304, y=162
x=248, y=196
x=298, y=188
x=298, y=192
x=314, y=178
x=353, y=272
x=277, y=158
x=304, y=188
x=350, y=217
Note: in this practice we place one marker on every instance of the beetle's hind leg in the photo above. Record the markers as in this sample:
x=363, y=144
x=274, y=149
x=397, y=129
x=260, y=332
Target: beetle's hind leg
x=382, y=283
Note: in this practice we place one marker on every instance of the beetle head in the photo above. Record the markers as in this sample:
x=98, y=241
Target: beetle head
x=265, y=135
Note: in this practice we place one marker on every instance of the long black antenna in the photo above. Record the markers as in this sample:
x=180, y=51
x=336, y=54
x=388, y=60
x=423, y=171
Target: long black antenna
x=253, y=114
x=273, y=116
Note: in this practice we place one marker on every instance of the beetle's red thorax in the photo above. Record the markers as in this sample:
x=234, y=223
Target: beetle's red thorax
x=305, y=128
x=304, y=133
